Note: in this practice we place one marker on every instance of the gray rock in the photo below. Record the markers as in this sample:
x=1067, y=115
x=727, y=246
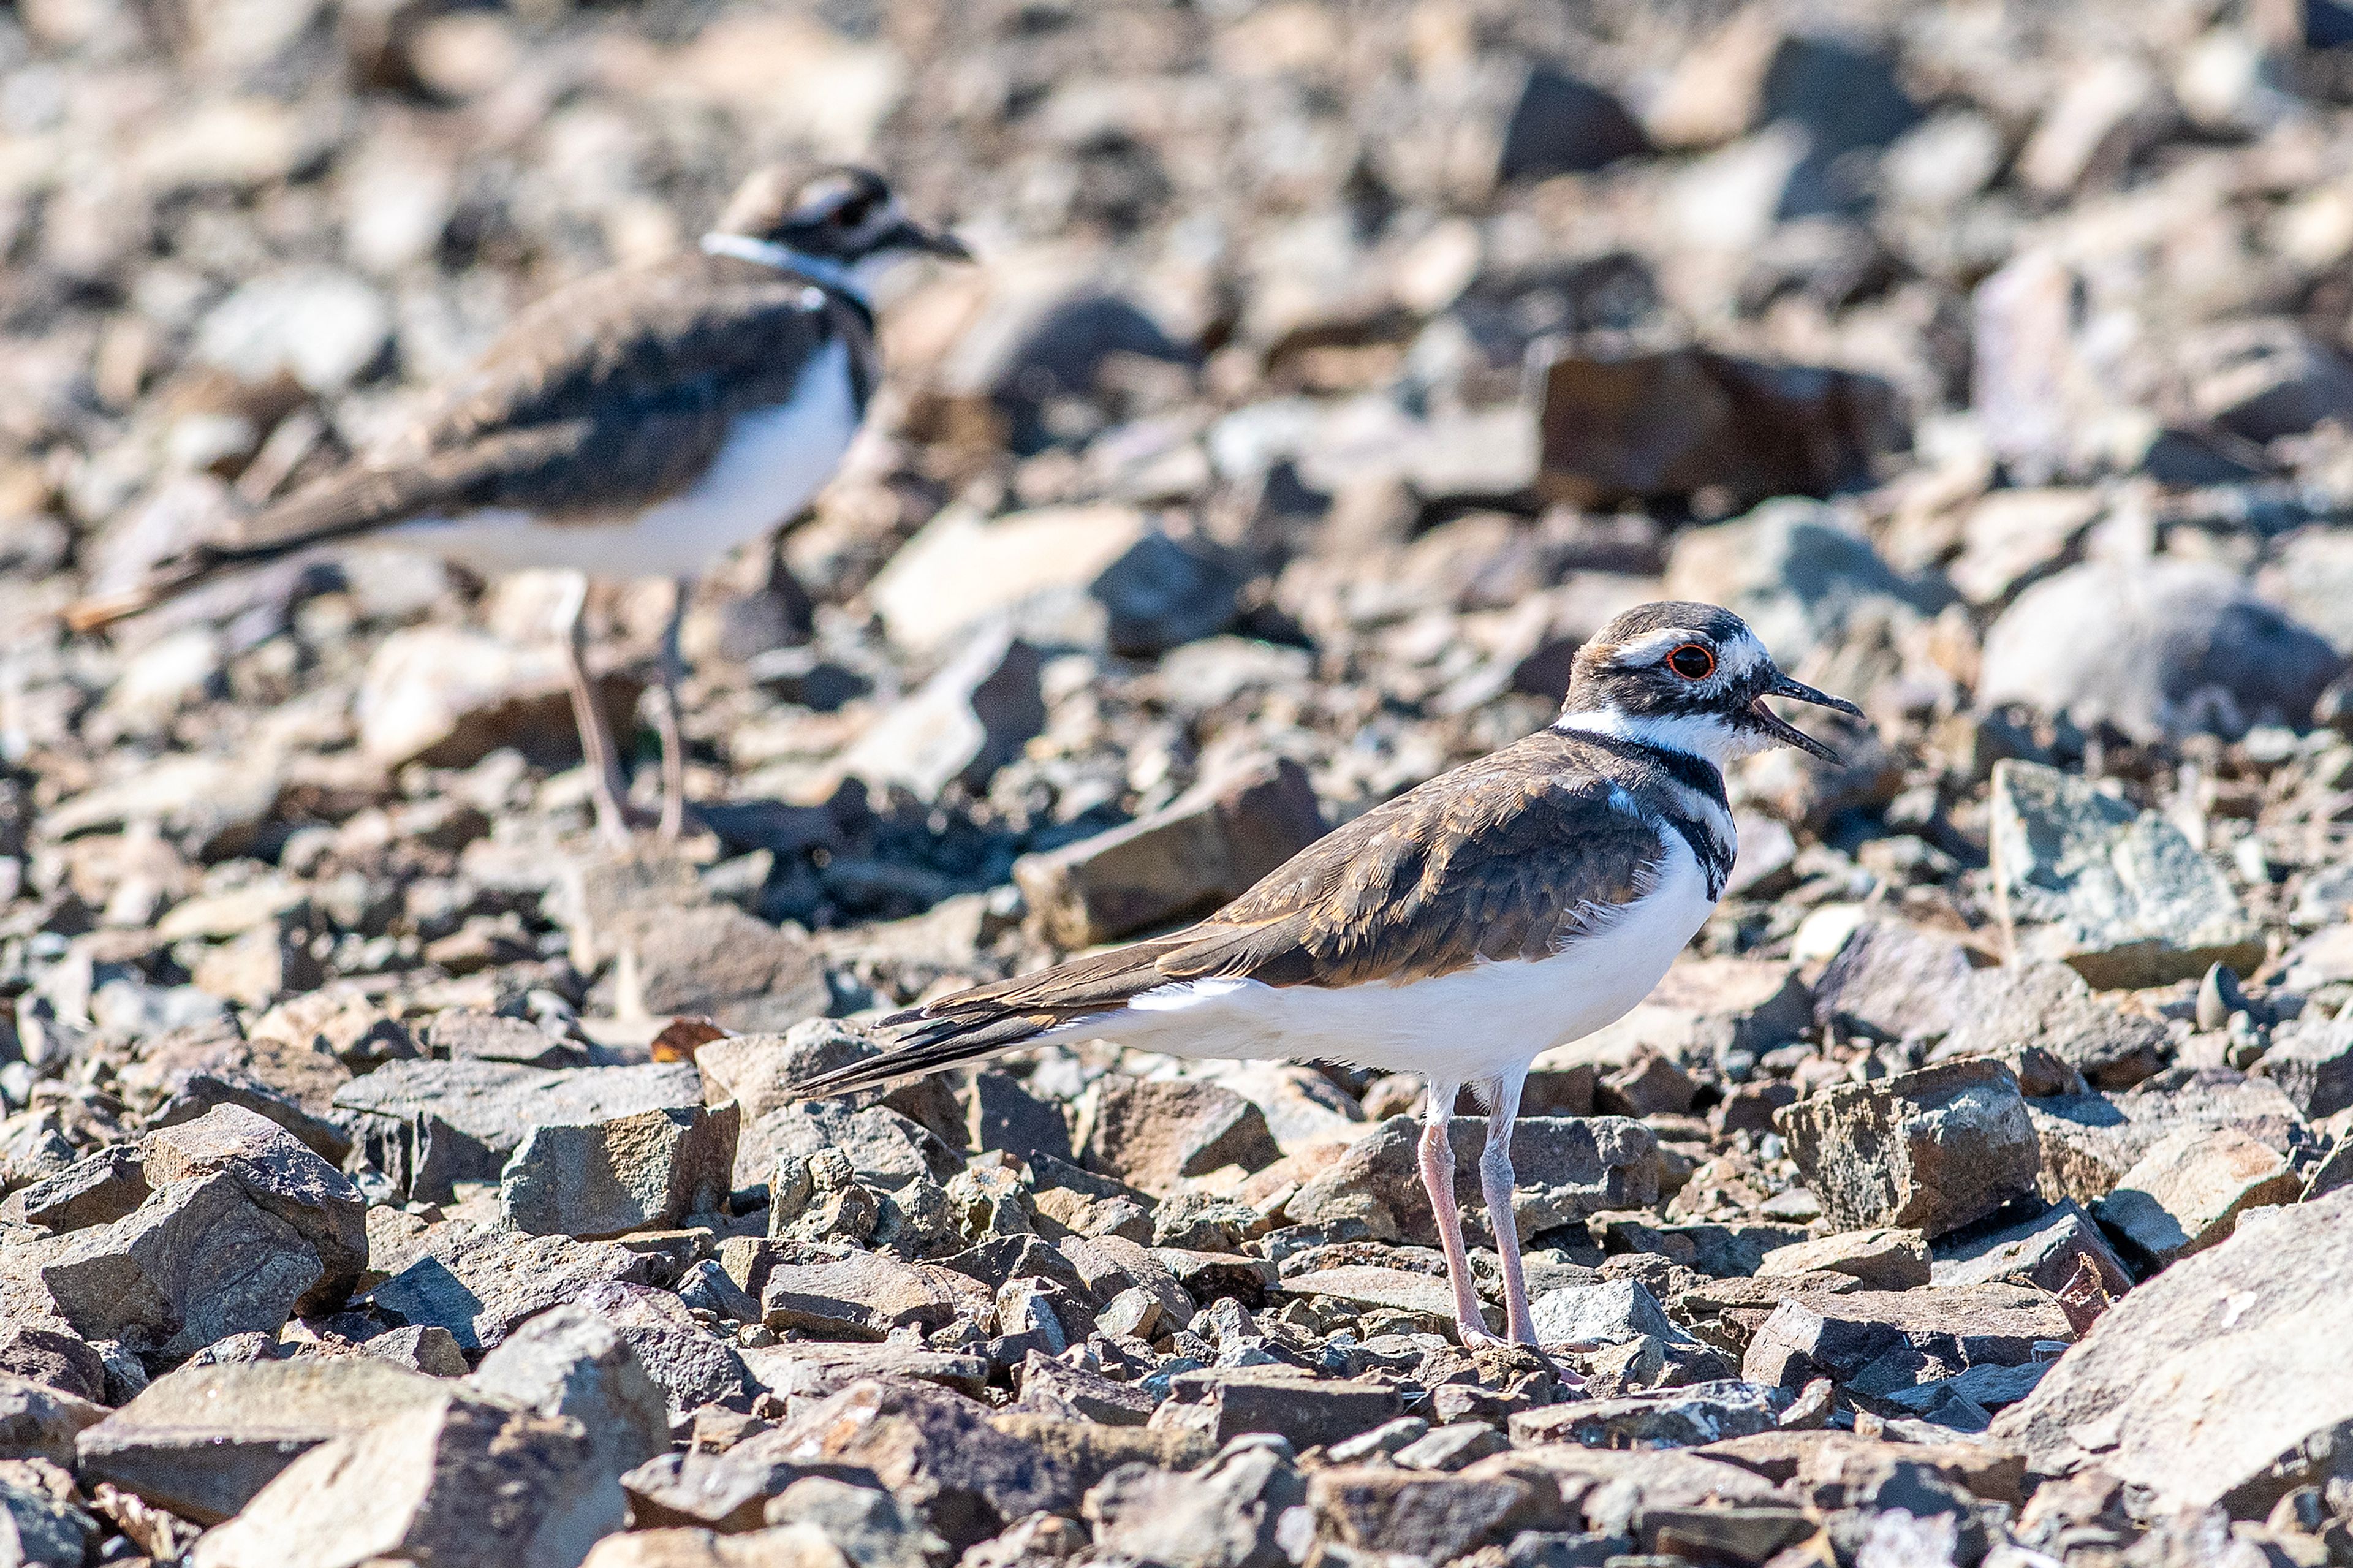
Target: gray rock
x=691, y=1365
x=1185, y=859
x=480, y=1281
x=568, y=1362
x=640, y=1171
x=40, y=1529
x=856, y=1294
x=2159, y=648
x=1667, y=1418
x=1891, y=981
x=758, y=1072
x=1166, y=592
x=322, y=325
x=1876, y=1342
x=1225, y=1515
x=714, y=961
x=2252, y=1330
x=1799, y=579
x=1366, y=1285
x=37, y=1422
x=2043, y=1251
x=886, y=1150
x=2261, y=380
x=97, y=1189
x=469, y=1032
x=1567, y=1167
x=430, y=1349
x=1153, y=1133
x=1226, y=1404
x=2004, y=1010
x=1610, y=1313
x=2090, y=1141
x=2118, y=895
x=281, y=1176
x=1435, y=1517
x=960, y=726
x=1930, y=1151
x=1562, y=125
x=873, y=1528
x=204, y=1440
x=1004, y=1117
x=1705, y=1008
x=1882, y=1258
x=2187, y=1192
x=412, y=1486
x=2310, y=1058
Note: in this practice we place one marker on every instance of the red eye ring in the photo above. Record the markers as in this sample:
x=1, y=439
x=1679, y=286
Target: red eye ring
x=1692, y=662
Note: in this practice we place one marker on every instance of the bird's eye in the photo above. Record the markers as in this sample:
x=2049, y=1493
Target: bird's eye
x=853, y=213
x=1692, y=662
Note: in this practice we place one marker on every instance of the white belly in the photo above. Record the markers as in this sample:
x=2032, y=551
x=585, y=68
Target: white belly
x=777, y=460
x=1472, y=1024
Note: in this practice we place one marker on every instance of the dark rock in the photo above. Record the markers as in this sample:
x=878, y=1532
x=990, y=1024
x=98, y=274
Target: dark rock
x=1564, y=126
x=2044, y=1251
x=2050, y=1006
x=859, y=1295
x=1667, y=1418
x=1890, y=980
x=1305, y=1411
x=1435, y=1517
x=1006, y=1117
x=2310, y=1059
x=37, y=1422
x=1876, y=1342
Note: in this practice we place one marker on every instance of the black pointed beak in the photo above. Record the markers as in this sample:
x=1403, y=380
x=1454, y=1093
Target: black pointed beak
x=913, y=235
x=1789, y=733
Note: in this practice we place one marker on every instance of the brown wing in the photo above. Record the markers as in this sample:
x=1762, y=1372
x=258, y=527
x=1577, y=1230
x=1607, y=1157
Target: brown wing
x=1510, y=857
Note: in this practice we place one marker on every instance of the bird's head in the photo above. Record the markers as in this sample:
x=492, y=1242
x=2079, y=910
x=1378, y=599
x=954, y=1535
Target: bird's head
x=845, y=215
x=1691, y=677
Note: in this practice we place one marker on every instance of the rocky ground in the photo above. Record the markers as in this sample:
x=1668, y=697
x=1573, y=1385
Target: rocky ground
x=393, y=1177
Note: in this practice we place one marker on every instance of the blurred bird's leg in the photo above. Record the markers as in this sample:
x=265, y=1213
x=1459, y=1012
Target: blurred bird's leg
x=1437, y=1160
x=666, y=719
x=1495, y=1185
x=596, y=748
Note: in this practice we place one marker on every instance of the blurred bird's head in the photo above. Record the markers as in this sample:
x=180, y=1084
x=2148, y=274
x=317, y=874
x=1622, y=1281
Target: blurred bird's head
x=1691, y=678
x=846, y=215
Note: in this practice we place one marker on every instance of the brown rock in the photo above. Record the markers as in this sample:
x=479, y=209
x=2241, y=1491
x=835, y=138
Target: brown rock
x=1931, y=1149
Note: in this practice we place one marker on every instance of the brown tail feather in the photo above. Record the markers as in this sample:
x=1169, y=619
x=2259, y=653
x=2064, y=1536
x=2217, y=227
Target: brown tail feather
x=166, y=582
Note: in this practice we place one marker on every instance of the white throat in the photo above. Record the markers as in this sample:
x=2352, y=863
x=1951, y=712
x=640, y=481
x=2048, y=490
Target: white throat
x=817, y=269
x=1701, y=735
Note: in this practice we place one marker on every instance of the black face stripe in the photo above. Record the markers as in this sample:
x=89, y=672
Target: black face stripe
x=1683, y=767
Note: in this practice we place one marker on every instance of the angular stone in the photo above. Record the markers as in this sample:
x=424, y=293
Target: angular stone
x=1568, y=1168
x=1004, y=1116
x=871, y=1529
x=2188, y=1191
x=449, y=696
x=1204, y=847
x=1364, y=1285
x=282, y=1176
x=37, y=1422
x=1087, y=1451
x=1891, y=981
x=1882, y=1258
x=886, y=1150
x=2090, y=1141
x=716, y=962
x=960, y=726
x=1610, y=1313
x=1055, y=1388
x=2043, y=1251
x=2118, y=895
x=568, y=1362
x=1667, y=1418
x=1225, y=1515
x=1226, y=1404
x=2003, y=1010
x=2310, y=1059
x=204, y=1440
x=960, y=568
x=2247, y=1336
x=1875, y=1341
x=480, y=1281
x=641, y=1172
x=1930, y=1151
x=933, y=1451
x=468, y=1032
x=97, y=1189
x=1436, y=1518
x=1153, y=1133
x=411, y=1486
x=862, y=1295
x=691, y=1365
x=759, y=1072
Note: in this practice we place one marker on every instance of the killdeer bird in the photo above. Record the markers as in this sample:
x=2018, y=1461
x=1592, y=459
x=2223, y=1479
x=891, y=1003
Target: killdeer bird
x=637, y=423
x=1511, y=905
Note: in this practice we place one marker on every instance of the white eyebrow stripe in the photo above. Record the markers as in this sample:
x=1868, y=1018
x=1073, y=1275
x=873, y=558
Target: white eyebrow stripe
x=1653, y=646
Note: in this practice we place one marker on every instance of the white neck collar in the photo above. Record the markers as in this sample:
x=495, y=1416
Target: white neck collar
x=817, y=269
x=1703, y=736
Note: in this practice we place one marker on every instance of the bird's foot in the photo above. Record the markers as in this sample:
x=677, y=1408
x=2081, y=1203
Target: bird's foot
x=1475, y=1335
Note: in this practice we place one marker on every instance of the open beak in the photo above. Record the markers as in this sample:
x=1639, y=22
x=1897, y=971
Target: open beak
x=930, y=241
x=1789, y=733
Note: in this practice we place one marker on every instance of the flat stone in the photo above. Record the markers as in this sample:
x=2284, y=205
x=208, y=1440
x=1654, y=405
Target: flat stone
x=1667, y=1418
x=1882, y=1258
x=1225, y=1403
x=1153, y=1134
x=1004, y=1116
x=1894, y=981
x=469, y=1032
x=2003, y=1010
x=967, y=721
x=2310, y=1059
x=2118, y=895
x=1703, y=1008
x=960, y=567
x=37, y=1422
x=804, y=1368
x=480, y=1281
x=1364, y=1285
x=1929, y=1151
x=2221, y=1380
x=1088, y=1451
x=411, y=1486
x=97, y=1189
x=2043, y=1251
x=715, y=961
x=640, y=1171
x=2188, y=1191
x=862, y=1295
x=1052, y=1387
x=449, y=696
x=204, y=1440
x=760, y=1071
x=1224, y=1515
x=1185, y=859
x=2090, y=1141
x=885, y=1149
x=1608, y=1313
x=1875, y=1341
x=1436, y=1518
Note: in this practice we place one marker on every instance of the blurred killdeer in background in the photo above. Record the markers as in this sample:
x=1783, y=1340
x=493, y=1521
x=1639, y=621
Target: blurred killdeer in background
x=1511, y=905
x=639, y=423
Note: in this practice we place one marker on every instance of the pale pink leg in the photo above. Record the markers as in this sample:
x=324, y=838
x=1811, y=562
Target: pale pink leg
x=665, y=721
x=1438, y=1178
x=596, y=747
x=1495, y=1185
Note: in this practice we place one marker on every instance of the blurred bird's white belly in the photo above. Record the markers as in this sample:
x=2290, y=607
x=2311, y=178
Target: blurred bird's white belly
x=777, y=460
x=1461, y=1027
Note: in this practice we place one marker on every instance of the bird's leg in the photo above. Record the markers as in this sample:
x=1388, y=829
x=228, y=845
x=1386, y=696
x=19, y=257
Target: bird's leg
x=596, y=748
x=1495, y=1185
x=666, y=724
x=1437, y=1160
